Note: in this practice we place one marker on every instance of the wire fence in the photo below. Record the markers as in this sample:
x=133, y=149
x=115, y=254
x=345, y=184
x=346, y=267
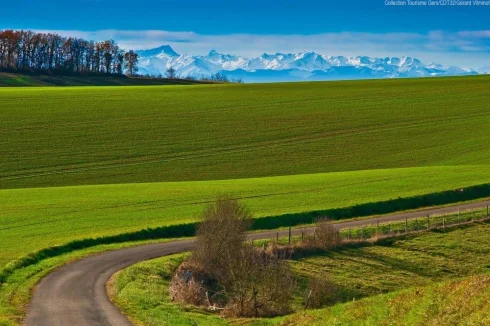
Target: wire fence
x=379, y=229
x=414, y=225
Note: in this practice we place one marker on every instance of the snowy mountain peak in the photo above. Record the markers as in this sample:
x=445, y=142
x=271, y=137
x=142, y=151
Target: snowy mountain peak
x=164, y=49
x=291, y=67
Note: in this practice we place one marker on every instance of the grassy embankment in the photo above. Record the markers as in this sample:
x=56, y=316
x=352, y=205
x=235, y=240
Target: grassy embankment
x=437, y=278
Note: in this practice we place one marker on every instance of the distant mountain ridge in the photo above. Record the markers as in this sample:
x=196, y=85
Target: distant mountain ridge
x=290, y=66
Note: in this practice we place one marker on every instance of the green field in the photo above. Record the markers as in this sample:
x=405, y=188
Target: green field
x=81, y=162
x=414, y=280
x=107, y=135
x=44, y=217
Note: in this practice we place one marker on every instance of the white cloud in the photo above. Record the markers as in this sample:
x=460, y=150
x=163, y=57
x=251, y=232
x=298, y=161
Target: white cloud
x=465, y=48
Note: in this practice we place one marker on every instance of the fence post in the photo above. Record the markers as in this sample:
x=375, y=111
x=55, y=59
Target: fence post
x=277, y=236
x=289, y=235
x=406, y=224
x=459, y=215
x=302, y=236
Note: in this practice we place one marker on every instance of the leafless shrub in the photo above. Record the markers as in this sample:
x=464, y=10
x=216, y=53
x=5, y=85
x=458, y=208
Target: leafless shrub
x=186, y=287
x=227, y=273
x=324, y=237
x=282, y=252
x=263, y=287
x=326, y=233
x=193, y=286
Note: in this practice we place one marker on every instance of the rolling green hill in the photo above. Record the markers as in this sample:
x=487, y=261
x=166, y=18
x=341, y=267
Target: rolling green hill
x=109, y=135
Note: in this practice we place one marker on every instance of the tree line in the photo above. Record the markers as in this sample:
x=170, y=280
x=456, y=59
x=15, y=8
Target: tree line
x=49, y=52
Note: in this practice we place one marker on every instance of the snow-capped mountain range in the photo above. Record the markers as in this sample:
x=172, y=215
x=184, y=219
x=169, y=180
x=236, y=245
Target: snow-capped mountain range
x=290, y=67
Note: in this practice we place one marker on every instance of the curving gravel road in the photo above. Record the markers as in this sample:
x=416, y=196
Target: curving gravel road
x=75, y=295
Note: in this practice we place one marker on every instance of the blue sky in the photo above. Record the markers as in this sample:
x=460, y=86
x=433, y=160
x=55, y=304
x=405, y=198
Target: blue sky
x=457, y=35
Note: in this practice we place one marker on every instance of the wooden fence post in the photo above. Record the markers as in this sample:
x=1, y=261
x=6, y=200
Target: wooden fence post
x=406, y=224
x=289, y=235
x=308, y=300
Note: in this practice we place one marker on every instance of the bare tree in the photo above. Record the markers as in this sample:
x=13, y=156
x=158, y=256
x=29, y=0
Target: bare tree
x=131, y=59
x=171, y=73
x=230, y=274
x=221, y=234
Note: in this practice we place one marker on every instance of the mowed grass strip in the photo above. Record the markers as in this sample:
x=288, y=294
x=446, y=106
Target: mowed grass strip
x=36, y=218
x=376, y=277
x=107, y=135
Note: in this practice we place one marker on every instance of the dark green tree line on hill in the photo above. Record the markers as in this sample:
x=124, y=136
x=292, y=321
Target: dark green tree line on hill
x=48, y=52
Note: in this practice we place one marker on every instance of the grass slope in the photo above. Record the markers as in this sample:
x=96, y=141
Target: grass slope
x=358, y=272
x=18, y=79
x=36, y=218
x=102, y=135
x=456, y=302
